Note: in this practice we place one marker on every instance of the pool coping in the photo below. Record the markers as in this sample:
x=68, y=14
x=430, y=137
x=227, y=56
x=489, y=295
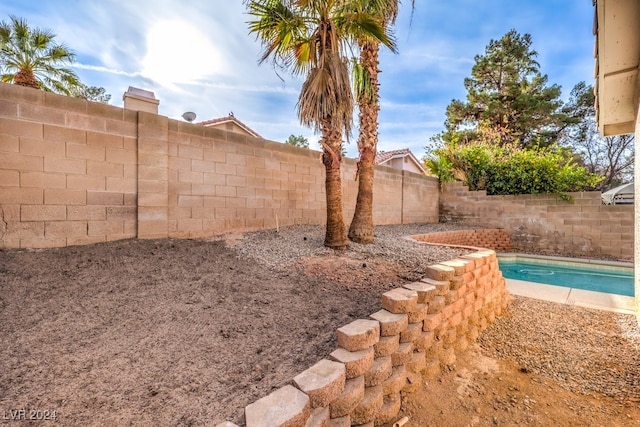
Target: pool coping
x=557, y=260
x=571, y=296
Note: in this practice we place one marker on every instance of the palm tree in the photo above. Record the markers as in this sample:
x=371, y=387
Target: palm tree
x=368, y=90
x=312, y=38
x=30, y=57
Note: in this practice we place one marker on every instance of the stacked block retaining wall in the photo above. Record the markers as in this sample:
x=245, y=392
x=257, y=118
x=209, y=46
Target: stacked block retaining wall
x=491, y=238
x=545, y=223
x=418, y=331
x=78, y=172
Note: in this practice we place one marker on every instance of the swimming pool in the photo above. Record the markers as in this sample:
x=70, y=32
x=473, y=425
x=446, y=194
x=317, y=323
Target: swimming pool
x=612, y=278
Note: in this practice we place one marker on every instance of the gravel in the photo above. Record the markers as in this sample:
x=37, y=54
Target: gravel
x=584, y=350
x=279, y=250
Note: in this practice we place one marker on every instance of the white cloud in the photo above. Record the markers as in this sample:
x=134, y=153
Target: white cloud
x=104, y=70
x=199, y=56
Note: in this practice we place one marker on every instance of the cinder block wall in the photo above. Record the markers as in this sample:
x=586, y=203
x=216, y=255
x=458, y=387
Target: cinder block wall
x=221, y=181
x=77, y=172
x=419, y=197
x=491, y=238
x=544, y=222
x=419, y=330
x=218, y=181
x=67, y=170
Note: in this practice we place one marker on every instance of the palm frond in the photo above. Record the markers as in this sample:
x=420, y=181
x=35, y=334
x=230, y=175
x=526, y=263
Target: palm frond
x=361, y=80
x=34, y=56
x=314, y=38
x=326, y=94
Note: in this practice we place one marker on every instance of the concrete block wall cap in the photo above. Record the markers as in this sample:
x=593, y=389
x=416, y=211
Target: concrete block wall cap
x=425, y=288
x=385, y=316
x=142, y=93
x=460, y=266
x=390, y=323
x=345, y=356
x=359, y=334
x=402, y=293
x=356, y=362
x=485, y=252
x=424, y=285
x=400, y=300
x=323, y=382
x=440, y=272
x=285, y=407
x=476, y=256
x=442, y=287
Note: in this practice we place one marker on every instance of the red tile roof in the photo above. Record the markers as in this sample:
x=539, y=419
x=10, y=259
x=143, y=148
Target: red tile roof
x=230, y=119
x=384, y=156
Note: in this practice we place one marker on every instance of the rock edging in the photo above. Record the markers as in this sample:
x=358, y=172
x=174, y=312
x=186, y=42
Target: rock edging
x=418, y=331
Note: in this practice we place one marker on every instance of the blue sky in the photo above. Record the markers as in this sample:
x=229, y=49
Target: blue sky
x=198, y=56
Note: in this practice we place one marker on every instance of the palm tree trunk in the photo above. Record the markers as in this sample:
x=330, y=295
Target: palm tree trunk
x=361, y=229
x=26, y=78
x=335, y=234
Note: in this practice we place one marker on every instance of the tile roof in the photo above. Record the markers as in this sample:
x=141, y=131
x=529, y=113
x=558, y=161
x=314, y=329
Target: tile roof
x=230, y=119
x=385, y=156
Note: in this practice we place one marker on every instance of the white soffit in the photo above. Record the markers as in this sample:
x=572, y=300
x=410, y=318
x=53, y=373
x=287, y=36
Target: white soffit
x=617, y=31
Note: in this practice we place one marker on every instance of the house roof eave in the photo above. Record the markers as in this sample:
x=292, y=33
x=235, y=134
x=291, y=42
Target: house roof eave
x=617, y=65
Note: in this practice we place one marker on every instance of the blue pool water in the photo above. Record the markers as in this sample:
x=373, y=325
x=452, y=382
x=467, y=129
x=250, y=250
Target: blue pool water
x=600, y=280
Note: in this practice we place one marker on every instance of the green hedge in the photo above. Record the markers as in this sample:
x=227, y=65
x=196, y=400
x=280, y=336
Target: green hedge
x=511, y=170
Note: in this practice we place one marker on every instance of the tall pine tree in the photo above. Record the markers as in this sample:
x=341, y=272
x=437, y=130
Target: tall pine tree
x=508, y=99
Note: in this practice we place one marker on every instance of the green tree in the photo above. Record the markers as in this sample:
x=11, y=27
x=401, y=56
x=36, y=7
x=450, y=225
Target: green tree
x=31, y=57
x=508, y=99
x=92, y=93
x=297, y=141
x=312, y=39
x=612, y=157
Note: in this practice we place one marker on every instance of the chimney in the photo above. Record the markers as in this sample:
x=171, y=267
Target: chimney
x=140, y=100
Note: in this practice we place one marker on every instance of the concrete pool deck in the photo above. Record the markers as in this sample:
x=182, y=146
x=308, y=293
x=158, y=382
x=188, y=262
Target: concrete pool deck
x=572, y=296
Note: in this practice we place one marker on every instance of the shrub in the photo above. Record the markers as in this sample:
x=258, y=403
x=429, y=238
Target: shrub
x=512, y=170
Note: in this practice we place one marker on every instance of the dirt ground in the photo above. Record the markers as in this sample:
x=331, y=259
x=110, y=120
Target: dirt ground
x=187, y=333
x=484, y=391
